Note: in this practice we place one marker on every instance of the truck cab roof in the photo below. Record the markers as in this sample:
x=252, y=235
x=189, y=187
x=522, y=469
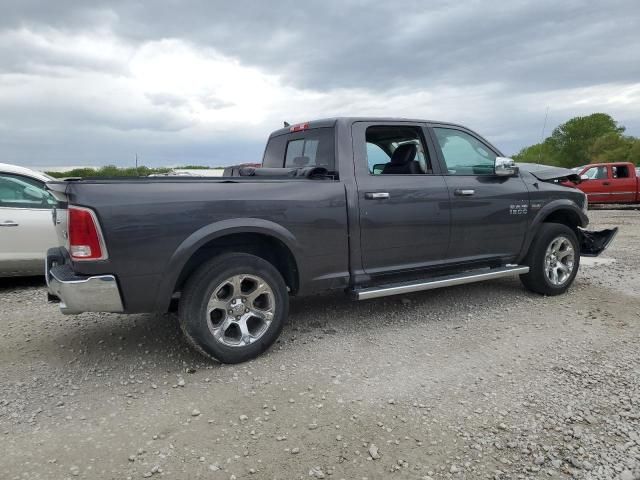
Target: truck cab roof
x=332, y=121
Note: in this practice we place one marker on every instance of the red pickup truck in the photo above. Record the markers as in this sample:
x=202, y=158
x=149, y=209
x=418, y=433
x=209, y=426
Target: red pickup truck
x=610, y=183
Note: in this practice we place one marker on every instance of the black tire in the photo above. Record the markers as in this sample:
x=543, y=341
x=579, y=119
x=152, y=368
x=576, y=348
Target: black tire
x=537, y=279
x=196, y=321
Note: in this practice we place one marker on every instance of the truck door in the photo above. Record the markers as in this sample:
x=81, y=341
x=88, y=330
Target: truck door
x=26, y=227
x=403, y=200
x=596, y=183
x=623, y=183
x=489, y=213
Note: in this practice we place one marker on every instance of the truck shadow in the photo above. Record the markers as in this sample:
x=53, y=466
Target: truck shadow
x=10, y=283
x=120, y=341
x=445, y=304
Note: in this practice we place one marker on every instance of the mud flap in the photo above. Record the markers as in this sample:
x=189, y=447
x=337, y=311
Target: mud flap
x=593, y=244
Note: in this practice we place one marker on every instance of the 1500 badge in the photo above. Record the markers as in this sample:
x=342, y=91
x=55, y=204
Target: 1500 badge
x=521, y=208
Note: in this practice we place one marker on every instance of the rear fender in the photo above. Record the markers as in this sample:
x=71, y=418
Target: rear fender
x=211, y=232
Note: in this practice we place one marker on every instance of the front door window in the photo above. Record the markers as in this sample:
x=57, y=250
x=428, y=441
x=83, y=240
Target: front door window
x=464, y=154
x=596, y=173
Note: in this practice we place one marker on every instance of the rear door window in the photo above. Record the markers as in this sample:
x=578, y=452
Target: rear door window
x=396, y=150
x=377, y=158
x=620, y=171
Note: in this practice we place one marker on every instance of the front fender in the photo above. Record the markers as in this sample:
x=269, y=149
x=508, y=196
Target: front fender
x=559, y=206
x=211, y=232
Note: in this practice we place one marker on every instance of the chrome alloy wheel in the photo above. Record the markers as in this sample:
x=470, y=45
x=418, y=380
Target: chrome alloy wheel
x=559, y=260
x=240, y=310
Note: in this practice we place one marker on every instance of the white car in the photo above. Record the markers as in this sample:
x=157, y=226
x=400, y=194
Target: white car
x=26, y=226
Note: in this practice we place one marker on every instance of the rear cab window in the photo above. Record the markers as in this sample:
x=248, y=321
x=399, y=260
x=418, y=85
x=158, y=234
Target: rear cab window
x=314, y=147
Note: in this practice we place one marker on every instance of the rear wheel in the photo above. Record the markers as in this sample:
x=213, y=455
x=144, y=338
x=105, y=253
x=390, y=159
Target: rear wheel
x=234, y=307
x=553, y=260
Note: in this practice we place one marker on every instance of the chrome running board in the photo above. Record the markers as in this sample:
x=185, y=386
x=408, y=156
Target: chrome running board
x=439, y=282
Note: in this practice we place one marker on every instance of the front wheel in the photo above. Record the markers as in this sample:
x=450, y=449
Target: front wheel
x=553, y=260
x=234, y=307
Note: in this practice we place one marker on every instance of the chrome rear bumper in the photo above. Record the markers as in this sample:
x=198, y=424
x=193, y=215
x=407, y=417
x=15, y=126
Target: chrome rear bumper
x=77, y=293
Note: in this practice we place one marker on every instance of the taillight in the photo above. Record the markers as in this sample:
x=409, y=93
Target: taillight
x=300, y=127
x=85, y=237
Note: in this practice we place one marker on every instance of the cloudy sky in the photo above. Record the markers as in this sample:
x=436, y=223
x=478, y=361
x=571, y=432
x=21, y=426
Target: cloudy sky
x=202, y=81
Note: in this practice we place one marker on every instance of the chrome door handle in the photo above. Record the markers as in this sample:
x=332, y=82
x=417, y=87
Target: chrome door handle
x=9, y=223
x=376, y=195
x=464, y=192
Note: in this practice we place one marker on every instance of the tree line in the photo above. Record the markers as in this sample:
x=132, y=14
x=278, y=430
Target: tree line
x=113, y=171
x=595, y=138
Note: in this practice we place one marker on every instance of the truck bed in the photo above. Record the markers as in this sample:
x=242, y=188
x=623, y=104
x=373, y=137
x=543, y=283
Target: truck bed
x=178, y=211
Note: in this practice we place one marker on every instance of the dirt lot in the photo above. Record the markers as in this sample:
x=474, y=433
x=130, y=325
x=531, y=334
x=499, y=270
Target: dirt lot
x=480, y=381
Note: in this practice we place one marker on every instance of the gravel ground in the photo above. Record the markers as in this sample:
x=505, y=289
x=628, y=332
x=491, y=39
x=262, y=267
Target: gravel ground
x=479, y=381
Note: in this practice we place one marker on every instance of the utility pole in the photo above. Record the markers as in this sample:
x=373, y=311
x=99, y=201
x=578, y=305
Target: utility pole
x=136, y=162
x=544, y=126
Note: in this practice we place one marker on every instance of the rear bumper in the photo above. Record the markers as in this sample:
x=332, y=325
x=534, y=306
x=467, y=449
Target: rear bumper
x=593, y=244
x=80, y=293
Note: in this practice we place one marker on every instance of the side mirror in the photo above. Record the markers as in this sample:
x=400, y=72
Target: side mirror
x=584, y=177
x=505, y=167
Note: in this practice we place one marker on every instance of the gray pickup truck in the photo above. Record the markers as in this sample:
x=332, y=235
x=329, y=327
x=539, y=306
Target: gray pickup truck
x=367, y=206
